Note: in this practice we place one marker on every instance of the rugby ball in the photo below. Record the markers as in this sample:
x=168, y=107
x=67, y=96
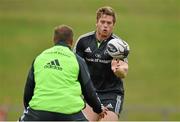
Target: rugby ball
x=117, y=48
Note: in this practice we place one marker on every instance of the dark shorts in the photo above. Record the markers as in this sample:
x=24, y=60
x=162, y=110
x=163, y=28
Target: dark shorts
x=38, y=115
x=113, y=101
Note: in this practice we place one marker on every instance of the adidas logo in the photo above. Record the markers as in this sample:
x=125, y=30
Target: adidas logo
x=53, y=65
x=88, y=50
x=109, y=106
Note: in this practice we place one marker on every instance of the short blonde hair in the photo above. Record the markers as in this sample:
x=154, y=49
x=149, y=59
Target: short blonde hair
x=107, y=11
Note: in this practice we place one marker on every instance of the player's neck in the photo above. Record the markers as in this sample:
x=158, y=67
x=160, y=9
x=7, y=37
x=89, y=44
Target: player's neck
x=100, y=37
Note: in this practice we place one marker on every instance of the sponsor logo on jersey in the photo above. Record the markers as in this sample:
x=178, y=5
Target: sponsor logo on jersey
x=98, y=60
x=54, y=64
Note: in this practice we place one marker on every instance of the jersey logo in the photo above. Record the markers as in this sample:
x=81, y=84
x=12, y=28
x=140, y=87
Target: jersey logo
x=54, y=64
x=109, y=106
x=98, y=55
x=105, y=52
x=88, y=50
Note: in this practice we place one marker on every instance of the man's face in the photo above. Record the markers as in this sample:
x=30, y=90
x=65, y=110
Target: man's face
x=104, y=26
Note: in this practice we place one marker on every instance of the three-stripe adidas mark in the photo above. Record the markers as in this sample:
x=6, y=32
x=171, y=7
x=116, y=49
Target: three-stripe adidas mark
x=54, y=64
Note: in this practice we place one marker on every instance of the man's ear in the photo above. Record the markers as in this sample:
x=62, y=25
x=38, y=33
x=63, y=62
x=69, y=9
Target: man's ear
x=70, y=42
x=55, y=39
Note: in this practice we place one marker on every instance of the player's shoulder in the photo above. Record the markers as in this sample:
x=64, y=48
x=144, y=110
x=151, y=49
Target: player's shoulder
x=83, y=40
x=86, y=35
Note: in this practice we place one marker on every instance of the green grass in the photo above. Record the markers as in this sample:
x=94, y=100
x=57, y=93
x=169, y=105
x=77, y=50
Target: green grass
x=151, y=27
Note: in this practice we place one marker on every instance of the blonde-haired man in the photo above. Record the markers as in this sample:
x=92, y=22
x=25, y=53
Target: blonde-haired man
x=106, y=73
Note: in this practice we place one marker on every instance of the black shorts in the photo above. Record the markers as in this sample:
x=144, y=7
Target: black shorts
x=39, y=115
x=113, y=101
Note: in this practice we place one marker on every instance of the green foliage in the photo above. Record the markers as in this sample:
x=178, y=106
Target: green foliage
x=151, y=27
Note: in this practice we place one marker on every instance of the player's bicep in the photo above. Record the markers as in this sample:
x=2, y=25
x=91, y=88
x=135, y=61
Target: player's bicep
x=29, y=87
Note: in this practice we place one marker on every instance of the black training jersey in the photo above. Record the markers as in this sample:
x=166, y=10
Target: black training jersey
x=99, y=63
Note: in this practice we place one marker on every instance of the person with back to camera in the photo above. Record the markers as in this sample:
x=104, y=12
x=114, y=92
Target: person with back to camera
x=56, y=82
x=106, y=73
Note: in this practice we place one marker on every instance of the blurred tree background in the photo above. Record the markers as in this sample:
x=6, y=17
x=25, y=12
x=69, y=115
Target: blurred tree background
x=151, y=28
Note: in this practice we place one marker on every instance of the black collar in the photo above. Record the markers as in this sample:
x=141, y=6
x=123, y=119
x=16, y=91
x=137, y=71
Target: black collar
x=62, y=43
x=109, y=38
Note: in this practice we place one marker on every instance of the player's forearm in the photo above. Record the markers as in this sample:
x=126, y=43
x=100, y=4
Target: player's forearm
x=91, y=97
